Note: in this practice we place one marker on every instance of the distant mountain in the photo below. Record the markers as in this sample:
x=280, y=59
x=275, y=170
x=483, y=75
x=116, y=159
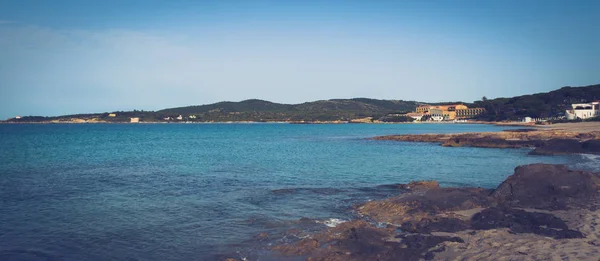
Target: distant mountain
x=539, y=105
x=259, y=110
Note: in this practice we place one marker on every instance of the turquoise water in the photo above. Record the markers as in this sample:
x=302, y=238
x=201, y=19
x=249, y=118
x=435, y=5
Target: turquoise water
x=202, y=191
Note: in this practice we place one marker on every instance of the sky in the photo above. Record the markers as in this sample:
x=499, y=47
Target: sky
x=62, y=57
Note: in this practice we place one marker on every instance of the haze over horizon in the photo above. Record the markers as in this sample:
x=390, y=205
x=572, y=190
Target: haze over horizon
x=65, y=57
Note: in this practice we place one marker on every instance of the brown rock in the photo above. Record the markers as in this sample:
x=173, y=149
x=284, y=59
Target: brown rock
x=415, y=206
x=545, y=186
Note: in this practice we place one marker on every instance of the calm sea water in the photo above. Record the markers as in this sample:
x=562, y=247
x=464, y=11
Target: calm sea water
x=202, y=191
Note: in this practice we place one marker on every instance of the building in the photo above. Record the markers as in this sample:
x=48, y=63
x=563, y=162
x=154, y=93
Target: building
x=448, y=112
x=415, y=115
x=584, y=110
x=134, y=120
x=527, y=120
x=424, y=109
x=465, y=113
x=112, y=115
x=18, y=117
x=437, y=114
x=179, y=117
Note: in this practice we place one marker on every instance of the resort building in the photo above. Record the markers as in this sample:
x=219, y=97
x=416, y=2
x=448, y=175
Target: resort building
x=448, y=112
x=415, y=115
x=134, y=120
x=469, y=112
x=112, y=115
x=584, y=110
x=437, y=114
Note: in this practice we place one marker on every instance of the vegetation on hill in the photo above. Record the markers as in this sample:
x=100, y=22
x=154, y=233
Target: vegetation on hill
x=539, y=105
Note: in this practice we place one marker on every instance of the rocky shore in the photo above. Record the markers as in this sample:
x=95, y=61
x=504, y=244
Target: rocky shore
x=542, y=141
x=541, y=212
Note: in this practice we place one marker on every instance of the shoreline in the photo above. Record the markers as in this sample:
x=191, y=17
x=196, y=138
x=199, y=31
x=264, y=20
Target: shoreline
x=540, y=212
x=551, y=140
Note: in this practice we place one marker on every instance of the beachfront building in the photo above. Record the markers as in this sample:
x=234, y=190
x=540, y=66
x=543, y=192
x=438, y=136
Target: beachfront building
x=466, y=113
x=448, y=112
x=584, y=110
x=134, y=120
x=437, y=114
x=415, y=115
x=179, y=117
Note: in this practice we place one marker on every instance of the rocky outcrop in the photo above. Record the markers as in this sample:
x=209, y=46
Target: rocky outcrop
x=544, y=186
x=545, y=142
x=420, y=204
x=425, y=220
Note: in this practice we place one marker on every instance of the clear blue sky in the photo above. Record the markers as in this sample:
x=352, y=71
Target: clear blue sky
x=61, y=57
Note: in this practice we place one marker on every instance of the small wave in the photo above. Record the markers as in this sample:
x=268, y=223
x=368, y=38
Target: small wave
x=589, y=162
x=332, y=222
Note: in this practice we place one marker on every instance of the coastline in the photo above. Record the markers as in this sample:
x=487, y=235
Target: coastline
x=541, y=212
x=519, y=220
x=549, y=140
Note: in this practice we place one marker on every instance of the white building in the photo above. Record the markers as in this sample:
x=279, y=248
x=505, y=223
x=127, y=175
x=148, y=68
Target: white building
x=527, y=120
x=415, y=116
x=135, y=120
x=179, y=117
x=583, y=110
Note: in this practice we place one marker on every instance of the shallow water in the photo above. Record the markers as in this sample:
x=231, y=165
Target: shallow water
x=202, y=191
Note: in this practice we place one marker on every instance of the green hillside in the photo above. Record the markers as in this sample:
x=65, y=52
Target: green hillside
x=259, y=110
x=539, y=105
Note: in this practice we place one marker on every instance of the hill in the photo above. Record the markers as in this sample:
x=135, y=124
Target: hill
x=539, y=105
x=259, y=110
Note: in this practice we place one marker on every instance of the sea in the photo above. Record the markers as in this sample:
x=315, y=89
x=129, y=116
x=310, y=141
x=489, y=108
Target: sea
x=208, y=191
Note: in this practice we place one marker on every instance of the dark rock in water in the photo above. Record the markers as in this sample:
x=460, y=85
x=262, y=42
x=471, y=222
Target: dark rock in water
x=545, y=186
x=564, y=146
x=592, y=146
x=414, y=185
x=521, y=221
x=435, y=224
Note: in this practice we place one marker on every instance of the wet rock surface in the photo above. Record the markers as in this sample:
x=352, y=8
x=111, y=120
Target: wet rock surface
x=426, y=220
